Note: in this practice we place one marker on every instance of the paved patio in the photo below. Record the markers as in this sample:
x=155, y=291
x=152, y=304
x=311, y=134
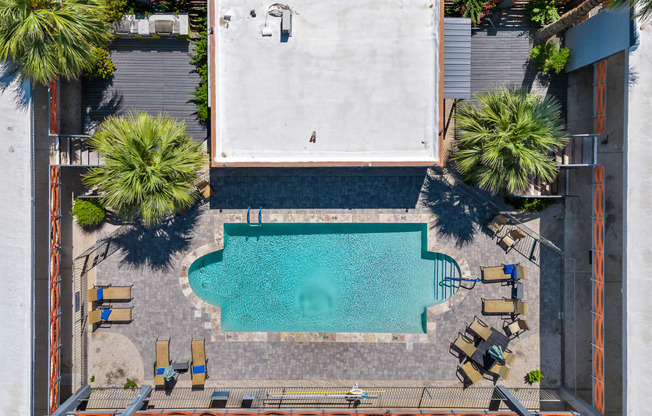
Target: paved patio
x=150, y=261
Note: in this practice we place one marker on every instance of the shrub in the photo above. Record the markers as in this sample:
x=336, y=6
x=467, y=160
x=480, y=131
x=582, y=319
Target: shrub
x=473, y=9
x=115, y=9
x=534, y=376
x=200, y=60
x=102, y=65
x=542, y=12
x=130, y=384
x=530, y=204
x=550, y=57
x=88, y=212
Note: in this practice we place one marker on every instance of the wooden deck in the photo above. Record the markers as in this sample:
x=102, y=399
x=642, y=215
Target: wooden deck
x=153, y=75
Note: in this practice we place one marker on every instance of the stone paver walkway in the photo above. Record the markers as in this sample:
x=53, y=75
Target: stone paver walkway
x=150, y=261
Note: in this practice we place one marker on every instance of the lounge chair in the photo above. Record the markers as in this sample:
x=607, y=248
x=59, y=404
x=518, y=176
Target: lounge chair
x=205, y=189
x=162, y=361
x=110, y=315
x=479, y=328
x=510, y=239
x=516, y=328
x=198, y=368
x=504, y=273
x=497, y=223
x=470, y=373
x=503, y=307
x=499, y=370
x=510, y=357
x=465, y=345
x=110, y=293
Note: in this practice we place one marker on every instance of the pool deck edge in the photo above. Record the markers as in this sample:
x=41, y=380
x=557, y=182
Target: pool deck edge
x=221, y=218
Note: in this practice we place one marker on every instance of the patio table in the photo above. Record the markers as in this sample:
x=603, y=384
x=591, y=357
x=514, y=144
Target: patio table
x=481, y=355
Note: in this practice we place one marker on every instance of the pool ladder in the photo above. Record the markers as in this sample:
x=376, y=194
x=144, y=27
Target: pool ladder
x=260, y=217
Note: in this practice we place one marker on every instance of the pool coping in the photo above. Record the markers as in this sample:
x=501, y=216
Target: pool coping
x=221, y=218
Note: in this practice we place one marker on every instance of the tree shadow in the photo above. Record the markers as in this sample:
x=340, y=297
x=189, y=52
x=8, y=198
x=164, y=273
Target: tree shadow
x=457, y=214
x=157, y=247
x=19, y=89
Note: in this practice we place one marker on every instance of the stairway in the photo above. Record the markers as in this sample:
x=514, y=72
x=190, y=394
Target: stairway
x=196, y=14
x=74, y=151
x=445, y=266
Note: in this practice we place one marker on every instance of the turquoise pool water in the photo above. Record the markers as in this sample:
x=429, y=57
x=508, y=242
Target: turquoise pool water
x=324, y=278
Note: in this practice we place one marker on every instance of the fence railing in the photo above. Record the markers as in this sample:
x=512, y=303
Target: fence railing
x=281, y=398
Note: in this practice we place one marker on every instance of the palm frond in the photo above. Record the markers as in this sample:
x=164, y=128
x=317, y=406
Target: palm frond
x=508, y=138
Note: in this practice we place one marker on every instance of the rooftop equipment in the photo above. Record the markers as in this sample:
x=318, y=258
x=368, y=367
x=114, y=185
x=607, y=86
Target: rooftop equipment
x=286, y=23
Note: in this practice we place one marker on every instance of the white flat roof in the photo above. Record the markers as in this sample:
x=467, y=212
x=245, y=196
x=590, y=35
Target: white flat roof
x=16, y=250
x=362, y=76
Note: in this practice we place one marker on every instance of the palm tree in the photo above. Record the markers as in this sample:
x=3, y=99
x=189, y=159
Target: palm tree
x=44, y=39
x=573, y=16
x=508, y=138
x=150, y=166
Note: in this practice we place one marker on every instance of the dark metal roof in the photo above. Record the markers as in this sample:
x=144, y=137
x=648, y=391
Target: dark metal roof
x=153, y=75
x=457, y=57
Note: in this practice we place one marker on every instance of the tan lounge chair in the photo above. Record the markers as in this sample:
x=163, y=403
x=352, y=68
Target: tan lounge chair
x=503, y=307
x=109, y=293
x=500, y=370
x=116, y=315
x=470, y=373
x=465, y=345
x=496, y=274
x=480, y=328
x=516, y=328
x=205, y=189
x=497, y=223
x=198, y=368
x=162, y=361
x=510, y=357
x=511, y=238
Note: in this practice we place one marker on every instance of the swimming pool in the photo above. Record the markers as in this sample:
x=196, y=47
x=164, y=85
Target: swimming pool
x=324, y=278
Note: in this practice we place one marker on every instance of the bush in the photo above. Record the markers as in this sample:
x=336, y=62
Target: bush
x=530, y=204
x=130, y=384
x=534, y=376
x=102, y=65
x=200, y=60
x=549, y=57
x=543, y=12
x=115, y=9
x=88, y=212
x=474, y=9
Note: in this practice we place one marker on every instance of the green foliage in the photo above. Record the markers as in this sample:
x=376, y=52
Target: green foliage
x=88, y=212
x=543, y=12
x=116, y=9
x=102, y=65
x=130, y=384
x=200, y=60
x=507, y=139
x=173, y=6
x=473, y=9
x=549, y=57
x=151, y=166
x=44, y=39
x=92, y=378
x=530, y=204
x=534, y=376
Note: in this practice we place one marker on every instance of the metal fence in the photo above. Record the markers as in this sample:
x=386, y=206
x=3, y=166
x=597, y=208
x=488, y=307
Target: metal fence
x=318, y=397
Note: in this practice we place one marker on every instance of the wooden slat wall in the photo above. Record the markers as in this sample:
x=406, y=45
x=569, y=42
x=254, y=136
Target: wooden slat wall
x=154, y=75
